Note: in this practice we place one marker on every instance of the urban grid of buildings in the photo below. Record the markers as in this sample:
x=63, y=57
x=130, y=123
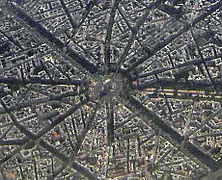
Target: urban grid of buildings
x=111, y=89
